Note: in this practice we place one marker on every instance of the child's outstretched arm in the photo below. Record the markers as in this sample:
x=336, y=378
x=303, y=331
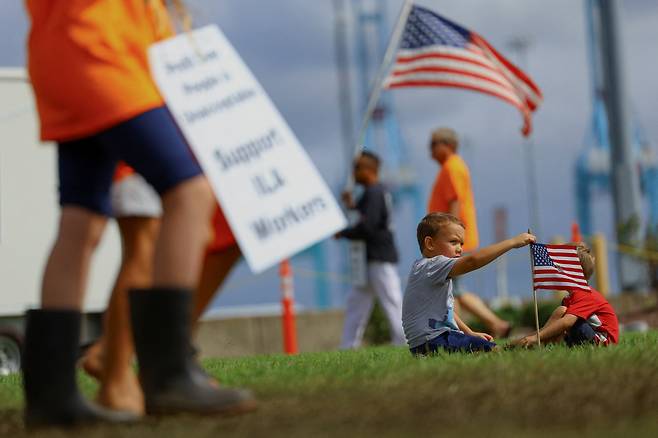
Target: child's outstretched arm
x=468, y=331
x=486, y=255
x=554, y=328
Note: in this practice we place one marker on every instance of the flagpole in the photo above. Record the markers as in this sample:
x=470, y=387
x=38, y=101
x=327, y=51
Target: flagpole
x=377, y=83
x=534, y=292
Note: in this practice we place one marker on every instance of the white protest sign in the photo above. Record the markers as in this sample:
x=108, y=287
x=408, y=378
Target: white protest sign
x=271, y=193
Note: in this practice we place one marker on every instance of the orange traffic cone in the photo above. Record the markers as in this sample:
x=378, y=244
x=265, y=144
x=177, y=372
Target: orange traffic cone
x=288, y=308
x=575, y=233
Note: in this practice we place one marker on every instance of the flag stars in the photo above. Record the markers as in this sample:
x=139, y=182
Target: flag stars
x=540, y=256
x=425, y=29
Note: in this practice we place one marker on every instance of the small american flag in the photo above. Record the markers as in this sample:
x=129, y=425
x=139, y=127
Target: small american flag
x=435, y=52
x=557, y=267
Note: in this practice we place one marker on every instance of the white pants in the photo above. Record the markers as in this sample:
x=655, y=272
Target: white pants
x=384, y=283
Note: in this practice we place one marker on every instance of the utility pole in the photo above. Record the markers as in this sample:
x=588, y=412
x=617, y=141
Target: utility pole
x=341, y=46
x=520, y=46
x=625, y=181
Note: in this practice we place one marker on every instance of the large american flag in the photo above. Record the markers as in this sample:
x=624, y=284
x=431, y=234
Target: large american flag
x=557, y=267
x=435, y=52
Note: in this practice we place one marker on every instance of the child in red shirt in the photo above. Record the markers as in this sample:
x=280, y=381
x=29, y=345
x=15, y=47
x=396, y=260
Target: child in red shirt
x=584, y=317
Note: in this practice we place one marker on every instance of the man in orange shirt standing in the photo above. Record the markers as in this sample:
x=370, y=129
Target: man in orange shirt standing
x=452, y=193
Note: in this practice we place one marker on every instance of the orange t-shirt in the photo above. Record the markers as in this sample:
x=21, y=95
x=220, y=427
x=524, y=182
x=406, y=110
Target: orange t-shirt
x=88, y=62
x=453, y=183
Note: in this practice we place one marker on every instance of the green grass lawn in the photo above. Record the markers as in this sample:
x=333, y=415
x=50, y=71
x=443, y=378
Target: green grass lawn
x=386, y=392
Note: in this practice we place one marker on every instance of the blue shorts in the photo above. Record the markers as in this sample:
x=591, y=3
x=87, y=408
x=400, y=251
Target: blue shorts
x=452, y=342
x=150, y=143
x=580, y=333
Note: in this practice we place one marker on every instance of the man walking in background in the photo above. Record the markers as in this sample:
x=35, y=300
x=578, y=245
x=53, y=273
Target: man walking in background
x=383, y=281
x=452, y=193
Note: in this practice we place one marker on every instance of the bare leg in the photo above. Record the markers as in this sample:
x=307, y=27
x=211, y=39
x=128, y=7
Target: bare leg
x=65, y=277
x=184, y=233
x=472, y=303
x=119, y=386
x=52, y=397
x=92, y=362
x=109, y=360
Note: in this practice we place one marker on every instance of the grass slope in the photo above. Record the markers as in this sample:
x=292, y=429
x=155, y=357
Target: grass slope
x=386, y=392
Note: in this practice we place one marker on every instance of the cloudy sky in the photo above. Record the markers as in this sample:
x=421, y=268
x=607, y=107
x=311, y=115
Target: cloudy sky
x=289, y=44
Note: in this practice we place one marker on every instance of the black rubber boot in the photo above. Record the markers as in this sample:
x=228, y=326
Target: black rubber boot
x=171, y=378
x=52, y=397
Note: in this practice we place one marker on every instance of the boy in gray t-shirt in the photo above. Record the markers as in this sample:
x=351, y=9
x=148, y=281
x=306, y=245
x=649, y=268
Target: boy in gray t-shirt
x=428, y=318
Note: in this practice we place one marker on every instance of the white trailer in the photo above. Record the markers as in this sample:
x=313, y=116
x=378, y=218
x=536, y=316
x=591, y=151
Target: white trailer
x=29, y=215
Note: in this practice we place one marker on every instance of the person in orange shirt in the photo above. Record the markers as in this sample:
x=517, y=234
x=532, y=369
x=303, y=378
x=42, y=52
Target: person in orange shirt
x=96, y=99
x=137, y=210
x=452, y=193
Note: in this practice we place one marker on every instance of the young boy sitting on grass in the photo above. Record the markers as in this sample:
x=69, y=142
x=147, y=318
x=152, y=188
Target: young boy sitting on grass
x=584, y=317
x=428, y=318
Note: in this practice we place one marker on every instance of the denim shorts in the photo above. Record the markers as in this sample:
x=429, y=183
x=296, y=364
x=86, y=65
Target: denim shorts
x=580, y=333
x=151, y=143
x=452, y=342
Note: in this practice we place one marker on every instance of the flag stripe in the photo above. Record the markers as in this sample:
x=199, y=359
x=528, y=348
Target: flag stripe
x=449, y=66
x=559, y=277
x=466, y=56
x=436, y=73
x=574, y=275
x=531, y=93
x=545, y=273
x=495, y=84
x=573, y=271
x=567, y=264
x=562, y=251
x=405, y=84
x=558, y=285
x=551, y=246
x=532, y=90
x=568, y=268
x=458, y=80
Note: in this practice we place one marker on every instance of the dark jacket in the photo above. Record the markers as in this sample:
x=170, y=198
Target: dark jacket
x=374, y=226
